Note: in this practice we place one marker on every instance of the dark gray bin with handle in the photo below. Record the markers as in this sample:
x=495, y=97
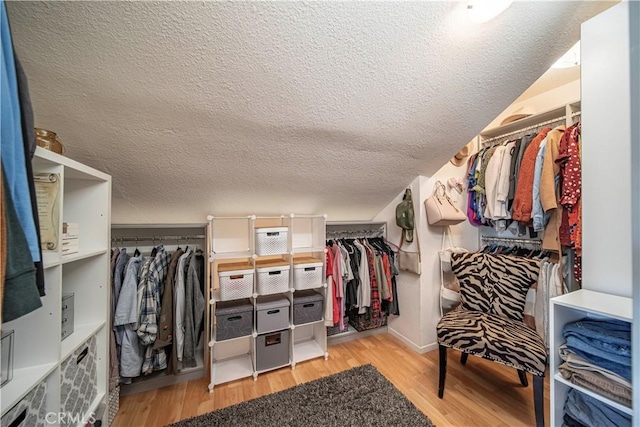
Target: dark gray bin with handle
x=307, y=307
x=272, y=350
x=273, y=313
x=234, y=319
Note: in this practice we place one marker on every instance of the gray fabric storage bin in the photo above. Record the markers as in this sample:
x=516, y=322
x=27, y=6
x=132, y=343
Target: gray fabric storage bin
x=307, y=307
x=234, y=319
x=272, y=350
x=79, y=380
x=31, y=411
x=273, y=313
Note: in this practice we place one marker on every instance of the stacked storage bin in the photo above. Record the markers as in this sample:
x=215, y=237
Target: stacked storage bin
x=236, y=281
x=234, y=319
x=272, y=276
x=272, y=344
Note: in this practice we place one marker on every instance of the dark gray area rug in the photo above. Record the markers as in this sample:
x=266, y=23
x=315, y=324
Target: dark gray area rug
x=358, y=397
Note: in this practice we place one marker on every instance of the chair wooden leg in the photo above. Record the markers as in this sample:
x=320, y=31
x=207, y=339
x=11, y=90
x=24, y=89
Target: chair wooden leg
x=443, y=369
x=538, y=399
x=463, y=358
x=523, y=378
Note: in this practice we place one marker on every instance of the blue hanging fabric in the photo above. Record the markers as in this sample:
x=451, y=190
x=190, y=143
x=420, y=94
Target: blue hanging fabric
x=11, y=142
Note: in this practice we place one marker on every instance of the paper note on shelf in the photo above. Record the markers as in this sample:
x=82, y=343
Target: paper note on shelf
x=47, y=188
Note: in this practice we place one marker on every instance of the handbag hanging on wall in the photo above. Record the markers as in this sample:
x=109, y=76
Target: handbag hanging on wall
x=441, y=210
x=409, y=260
x=405, y=219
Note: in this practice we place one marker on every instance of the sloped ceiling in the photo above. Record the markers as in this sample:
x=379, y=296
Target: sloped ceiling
x=270, y=107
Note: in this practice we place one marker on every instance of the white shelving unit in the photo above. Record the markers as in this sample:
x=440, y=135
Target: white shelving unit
x=85, y=198
x=232, y=240
x=609, y=253
x=308, y=342
x=570, y=308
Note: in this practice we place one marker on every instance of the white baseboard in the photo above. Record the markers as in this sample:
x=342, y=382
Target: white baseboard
x=351, y=334
x=413, y=346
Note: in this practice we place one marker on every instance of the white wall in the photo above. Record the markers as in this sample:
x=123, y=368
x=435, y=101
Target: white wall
x=418, y=296
x=464, y=235
x=407, y=326
x=606, y=153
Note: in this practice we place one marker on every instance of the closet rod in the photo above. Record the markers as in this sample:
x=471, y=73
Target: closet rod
x=536, y=126
x=156, y=238
x=511, y=240
x=350, y=234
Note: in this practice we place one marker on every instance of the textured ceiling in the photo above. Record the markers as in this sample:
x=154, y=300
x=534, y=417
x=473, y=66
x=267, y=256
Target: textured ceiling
x=224, y=108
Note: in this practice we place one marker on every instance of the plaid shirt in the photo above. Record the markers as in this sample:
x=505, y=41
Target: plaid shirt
x=375, y=294
x=152, y=282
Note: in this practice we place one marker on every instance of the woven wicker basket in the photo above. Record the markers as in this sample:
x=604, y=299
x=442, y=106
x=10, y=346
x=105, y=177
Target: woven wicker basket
x=364, y=322
x=114, y=403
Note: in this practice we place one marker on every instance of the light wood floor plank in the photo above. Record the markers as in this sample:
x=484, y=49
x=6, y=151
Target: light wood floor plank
x=482, y=393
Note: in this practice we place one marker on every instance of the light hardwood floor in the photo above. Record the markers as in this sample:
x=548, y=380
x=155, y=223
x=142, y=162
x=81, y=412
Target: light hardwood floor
x=481, y=393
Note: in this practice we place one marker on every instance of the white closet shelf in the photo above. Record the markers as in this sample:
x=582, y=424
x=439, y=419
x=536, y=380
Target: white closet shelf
x=232, y=339
x=299, y=325
x=599, y=303
x=216, y=297
x=231, y=255
x=558, y=377
x=81, y=333
x=233, y=368
x=307, y=249
x=271, y=331
x=93, y=408
x=73, y=169
x=306, y=350
x=82, y=255
x=24, y=379
x=533, y=120
x=52, y=259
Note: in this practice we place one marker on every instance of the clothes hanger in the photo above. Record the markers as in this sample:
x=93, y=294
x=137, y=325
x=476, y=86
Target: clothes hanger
x=154, y=251
x=137, y=251
x=393, y=245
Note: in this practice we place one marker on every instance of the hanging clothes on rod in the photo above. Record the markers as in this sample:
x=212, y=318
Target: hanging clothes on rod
x=362, y=274
x=528, y=182
x=158, y=306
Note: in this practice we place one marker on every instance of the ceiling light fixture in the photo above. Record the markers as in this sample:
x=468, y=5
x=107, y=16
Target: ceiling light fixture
x=569, y=59
x=485, y=10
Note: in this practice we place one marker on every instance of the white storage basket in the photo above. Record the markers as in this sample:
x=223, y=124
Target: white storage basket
x=271, y=241
x=307, y=273
x=236, y=281
x=273, y=279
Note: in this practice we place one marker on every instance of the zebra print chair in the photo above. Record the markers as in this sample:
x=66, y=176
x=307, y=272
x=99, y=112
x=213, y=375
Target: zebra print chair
x=489, y=321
